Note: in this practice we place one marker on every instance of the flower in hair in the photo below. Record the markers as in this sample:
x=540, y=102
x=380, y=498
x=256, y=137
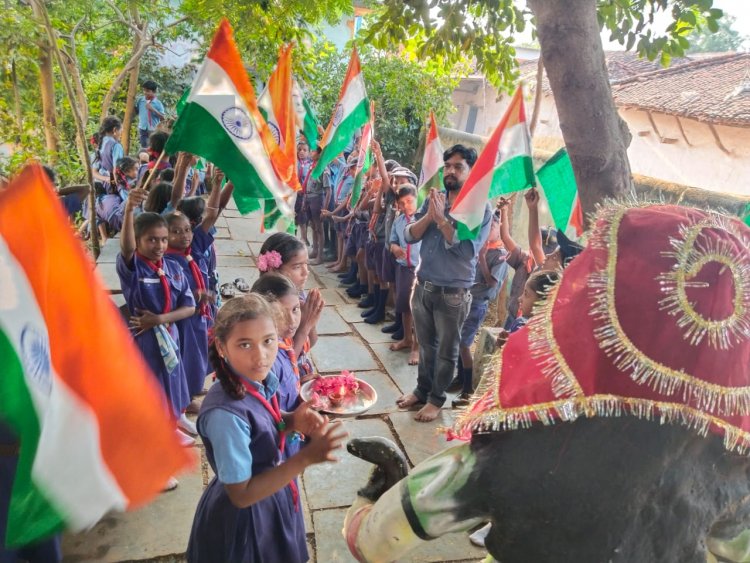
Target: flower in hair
x=269, y=260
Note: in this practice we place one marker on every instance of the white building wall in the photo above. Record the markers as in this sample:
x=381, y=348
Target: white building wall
x=665, y=156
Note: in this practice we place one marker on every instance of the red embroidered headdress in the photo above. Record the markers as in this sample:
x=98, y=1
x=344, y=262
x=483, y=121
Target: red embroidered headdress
x=651, y=320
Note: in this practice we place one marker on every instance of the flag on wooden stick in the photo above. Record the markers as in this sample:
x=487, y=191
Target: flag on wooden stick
x=504, y=166
x=94, y=429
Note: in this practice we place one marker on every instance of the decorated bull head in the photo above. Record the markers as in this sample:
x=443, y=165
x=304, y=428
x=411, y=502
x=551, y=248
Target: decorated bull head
x=614, y=427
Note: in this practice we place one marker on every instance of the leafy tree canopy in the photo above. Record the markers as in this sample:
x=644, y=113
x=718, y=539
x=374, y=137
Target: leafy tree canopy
x=726, y=38
x=484, y=30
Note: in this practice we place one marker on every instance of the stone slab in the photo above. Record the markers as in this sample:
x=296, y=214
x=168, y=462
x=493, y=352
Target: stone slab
x=108, y=273
x=159, y=529
x=396, y=364
x=246, y=228
x=222, y=232
x=330, y=485
x=255, y=248
x=108, y=252
x=235, y=262
x=372, y=333
x=331, y=546
x=485, y=348
x=421, y=439
x=306, y=512
x=231, y=248
x=228, y=275
x=386, y=390
x=331, y=322
x=350, y=312
x=221, y=222
x=336, y=353
x=332, y=297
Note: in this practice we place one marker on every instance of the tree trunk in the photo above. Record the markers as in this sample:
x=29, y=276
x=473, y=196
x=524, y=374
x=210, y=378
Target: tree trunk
x=47, y=88
x=127, y=120
x=17, y=110
x=139, y=49
x=41, y=10
x=538, y=93
x=596, y=138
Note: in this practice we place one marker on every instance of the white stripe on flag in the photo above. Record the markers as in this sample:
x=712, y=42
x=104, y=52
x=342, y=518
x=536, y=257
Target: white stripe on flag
x=68, y=468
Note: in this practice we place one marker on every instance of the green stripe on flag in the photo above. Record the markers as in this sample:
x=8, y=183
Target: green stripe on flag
x=32, y=516
x=360, y=179
x=559, y=184
x=514, y=175
x=342, y=136
x=310, y=126
x=746, y=215
x=465, y=233
x=182, y=102
x=273, y=219
x=197, y=132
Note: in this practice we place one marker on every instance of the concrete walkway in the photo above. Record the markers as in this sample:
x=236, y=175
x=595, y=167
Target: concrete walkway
x=160, y=531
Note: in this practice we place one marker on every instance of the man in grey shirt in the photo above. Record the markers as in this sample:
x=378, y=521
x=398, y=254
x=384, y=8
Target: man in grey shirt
x=441, y=297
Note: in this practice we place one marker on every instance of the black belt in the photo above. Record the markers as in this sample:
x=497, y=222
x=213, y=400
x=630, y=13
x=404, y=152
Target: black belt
x=432, y=288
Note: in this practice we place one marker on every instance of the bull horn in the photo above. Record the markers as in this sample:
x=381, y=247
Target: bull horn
x=390, y=464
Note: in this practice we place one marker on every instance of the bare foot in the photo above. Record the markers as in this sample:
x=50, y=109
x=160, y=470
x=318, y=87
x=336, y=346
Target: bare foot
x=414, y=358
x=407, y=401
x=400, y=345
x=427, y=413
x=316, y=262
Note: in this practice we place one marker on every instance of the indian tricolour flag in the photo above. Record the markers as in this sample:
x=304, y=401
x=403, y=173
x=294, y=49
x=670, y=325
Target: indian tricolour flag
x=559, y=183
x=351, y=113
x=364, y=160
x=276, y=106
x=221, y=122
x=431, y=175
x=307, y=121
x=504, y=166
x=92, y=424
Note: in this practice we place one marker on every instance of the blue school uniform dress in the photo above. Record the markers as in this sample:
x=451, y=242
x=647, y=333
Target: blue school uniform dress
x=242, y=440
x=143, y=289
x=194, y=330
x=288, y=375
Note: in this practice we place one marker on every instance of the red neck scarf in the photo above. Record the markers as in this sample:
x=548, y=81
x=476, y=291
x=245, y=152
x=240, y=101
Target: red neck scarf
x=288, y=346
x=158, y=267
x=200, y=283
x=275, y=412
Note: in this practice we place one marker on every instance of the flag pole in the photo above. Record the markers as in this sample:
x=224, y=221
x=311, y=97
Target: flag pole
x=154, y=169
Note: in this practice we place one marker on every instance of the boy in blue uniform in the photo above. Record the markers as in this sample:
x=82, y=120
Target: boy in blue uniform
x=150, y=111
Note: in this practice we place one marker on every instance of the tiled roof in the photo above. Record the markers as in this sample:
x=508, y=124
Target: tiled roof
x=714, y=90
x=621, y=66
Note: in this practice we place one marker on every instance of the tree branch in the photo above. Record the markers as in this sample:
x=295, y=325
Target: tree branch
x=131, y=64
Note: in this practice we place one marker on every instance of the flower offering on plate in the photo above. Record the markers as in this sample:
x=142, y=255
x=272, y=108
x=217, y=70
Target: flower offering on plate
x=342, y=394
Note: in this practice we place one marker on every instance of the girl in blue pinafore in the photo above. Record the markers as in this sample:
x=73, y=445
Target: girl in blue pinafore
x=250, y=512
x=158, y=295
x=202, y=215
x=280, y=291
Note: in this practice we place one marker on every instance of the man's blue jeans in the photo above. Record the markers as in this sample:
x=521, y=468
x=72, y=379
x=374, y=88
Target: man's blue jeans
x=438, y=318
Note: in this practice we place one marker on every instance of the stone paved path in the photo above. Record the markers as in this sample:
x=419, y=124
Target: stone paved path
x=161, y=530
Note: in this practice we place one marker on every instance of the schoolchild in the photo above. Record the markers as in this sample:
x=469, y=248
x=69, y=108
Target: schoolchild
x=407, y=259
x=250, y=510
x=158, y=296
x=287, y=255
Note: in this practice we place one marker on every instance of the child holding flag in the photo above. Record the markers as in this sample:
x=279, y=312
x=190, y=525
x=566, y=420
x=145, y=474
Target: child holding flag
x=158, y=296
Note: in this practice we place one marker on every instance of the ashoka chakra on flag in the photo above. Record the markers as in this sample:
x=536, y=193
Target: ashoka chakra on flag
x=237, y=122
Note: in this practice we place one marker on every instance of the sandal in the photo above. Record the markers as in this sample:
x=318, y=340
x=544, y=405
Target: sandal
x=227, y=291
x=242, y=285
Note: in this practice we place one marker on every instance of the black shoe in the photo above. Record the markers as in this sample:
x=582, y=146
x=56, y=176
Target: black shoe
x=388, y=329
x=461, y=400
x=343, y=275
x=368, y=302
x=455, y=385
x=377, y=317
x=356, y=291
x=398, y=335
x=368, y=312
